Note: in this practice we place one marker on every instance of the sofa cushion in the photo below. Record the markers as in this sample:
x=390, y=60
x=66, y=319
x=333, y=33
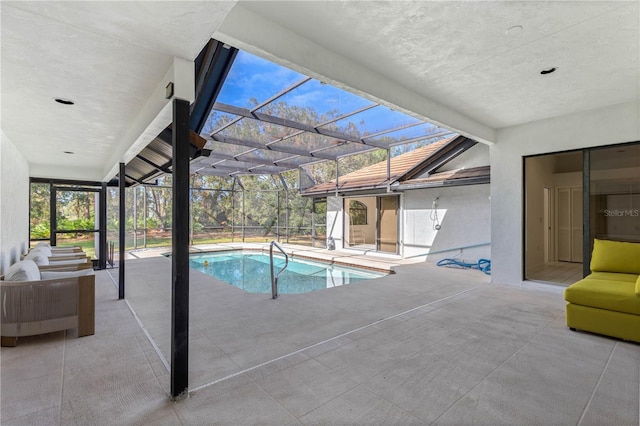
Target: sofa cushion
x=612, y=276
x=56, y=262
x=616, y=296
x=25, y=270
x=638, y=286
x=52, y=275
x=42, y=249
x=615, y=256
x=38, y=257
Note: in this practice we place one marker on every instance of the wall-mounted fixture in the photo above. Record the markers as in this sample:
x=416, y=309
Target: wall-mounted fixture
x=64, y=101
x=168, y=94
x=435, y=221
x=514, y=30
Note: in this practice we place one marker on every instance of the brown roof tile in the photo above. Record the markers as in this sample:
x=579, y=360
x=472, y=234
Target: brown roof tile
x=376, y=174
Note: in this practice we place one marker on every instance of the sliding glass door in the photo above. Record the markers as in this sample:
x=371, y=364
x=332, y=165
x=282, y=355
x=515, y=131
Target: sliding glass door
x=571, y=198
x=388, y=224
x=615, y=193
x=371, y=223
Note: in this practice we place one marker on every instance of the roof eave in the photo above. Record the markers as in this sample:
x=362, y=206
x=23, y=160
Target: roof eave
x=442, y=156
x=376, y=189
x=478, y=180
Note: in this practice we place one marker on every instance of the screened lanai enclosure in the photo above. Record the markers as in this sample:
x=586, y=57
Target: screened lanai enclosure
x=232, y=166
x=259, y=134
x=238, y=209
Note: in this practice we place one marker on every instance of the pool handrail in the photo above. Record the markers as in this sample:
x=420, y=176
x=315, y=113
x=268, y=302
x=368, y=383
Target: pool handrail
x=274, y=277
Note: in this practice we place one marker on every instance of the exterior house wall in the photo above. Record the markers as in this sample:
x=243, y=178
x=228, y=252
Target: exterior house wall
x=14, y=202
x=334, y=220
x=476, y=156
x=606, y=126
x=463, y=213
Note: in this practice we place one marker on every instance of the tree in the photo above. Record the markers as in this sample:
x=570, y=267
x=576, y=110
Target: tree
x=40, y=201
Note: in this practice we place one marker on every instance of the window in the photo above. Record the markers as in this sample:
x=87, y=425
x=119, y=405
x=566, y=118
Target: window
x=358, y=213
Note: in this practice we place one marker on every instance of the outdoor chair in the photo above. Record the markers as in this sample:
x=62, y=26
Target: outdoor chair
x=61, y=250
x=43, y=256
x=35, y=302
x=51, y=252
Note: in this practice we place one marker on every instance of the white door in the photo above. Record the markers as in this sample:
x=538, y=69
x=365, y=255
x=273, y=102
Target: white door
x=569, y=224
x=563, y=221
x=576, y=224
x=548, y=220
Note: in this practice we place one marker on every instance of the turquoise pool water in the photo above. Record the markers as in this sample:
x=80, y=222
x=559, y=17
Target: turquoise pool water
x=251, y=272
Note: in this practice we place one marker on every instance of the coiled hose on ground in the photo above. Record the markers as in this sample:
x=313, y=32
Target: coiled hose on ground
x=483, y=265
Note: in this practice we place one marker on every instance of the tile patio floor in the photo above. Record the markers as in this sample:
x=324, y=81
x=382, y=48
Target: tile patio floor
x=426, y=345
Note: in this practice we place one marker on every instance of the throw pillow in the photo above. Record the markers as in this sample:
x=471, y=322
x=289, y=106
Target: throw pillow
x=38, y=257
x=25, y=270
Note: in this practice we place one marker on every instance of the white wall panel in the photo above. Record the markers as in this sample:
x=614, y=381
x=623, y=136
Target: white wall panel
x=463, y=214
x=14, y=203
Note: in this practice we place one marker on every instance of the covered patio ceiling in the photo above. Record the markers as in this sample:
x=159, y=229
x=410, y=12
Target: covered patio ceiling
x=475, y=79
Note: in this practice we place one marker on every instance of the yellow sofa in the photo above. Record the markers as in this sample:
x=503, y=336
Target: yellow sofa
x=607, y=301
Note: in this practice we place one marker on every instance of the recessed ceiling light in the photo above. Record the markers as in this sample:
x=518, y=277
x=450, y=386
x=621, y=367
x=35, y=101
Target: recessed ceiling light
x=514, y=31
x=64, y=101
x=68, y=152
x=548, y=70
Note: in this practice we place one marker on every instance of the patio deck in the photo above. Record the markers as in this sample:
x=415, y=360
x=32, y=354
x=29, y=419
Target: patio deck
x=424, y=345
x=351, y=257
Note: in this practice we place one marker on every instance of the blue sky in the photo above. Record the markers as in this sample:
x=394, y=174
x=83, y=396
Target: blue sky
x=251, y=76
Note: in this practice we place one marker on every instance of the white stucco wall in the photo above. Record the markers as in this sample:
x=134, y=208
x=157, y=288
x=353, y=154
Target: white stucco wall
x=615, y=124
x=464, y=216
x=476, y=156
x=334, y=220
x=14, y=203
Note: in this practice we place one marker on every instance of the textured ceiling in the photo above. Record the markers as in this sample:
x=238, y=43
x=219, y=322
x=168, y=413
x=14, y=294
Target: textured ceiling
x=451, y=60
x=108, y=57
x=459, y=55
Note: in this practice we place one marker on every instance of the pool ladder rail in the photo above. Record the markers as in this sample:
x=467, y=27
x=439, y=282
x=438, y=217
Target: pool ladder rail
x=274, y=276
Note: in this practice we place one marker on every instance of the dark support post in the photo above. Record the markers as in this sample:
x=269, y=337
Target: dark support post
x=278, y=215
x=102, y=224
x=337, y=177
x=388, y=169
x=53, y=219
x=243, y=215
x=286, y=212
x=286, y=207
x=122, y=224
x=180, y=253
x=586, y=212
x=233, y=209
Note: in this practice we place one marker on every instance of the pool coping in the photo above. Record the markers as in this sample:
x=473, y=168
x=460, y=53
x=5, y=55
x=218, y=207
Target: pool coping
x=366, y=260
x=293, y=255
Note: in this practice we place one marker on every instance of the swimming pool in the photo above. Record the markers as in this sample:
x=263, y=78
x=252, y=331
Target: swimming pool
x=251, y=272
